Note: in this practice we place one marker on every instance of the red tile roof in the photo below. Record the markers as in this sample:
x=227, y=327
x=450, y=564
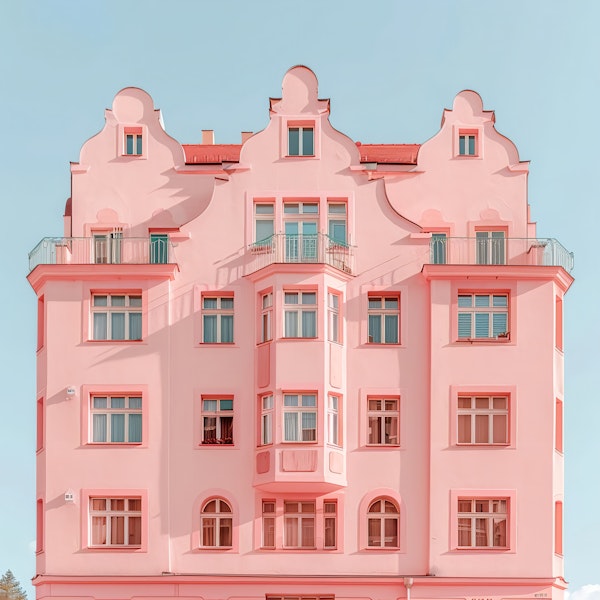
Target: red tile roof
x=399, y=154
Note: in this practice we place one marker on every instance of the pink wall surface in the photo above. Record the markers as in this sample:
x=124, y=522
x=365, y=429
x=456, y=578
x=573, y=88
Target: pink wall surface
x=207, y=210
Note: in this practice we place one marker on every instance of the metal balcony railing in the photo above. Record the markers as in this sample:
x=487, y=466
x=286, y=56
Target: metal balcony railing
x=102, y=250
x=499, y=251
x=302, y=248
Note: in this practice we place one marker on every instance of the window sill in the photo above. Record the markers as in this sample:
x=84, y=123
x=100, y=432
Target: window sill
x=215, y=445
x=381, y=549
x=289, y=442
x=115, y=549
x=218, y=345
x=484, y=549
x=498, y=340
x=115, y=341
x=297, y=339
x=382, y=345
x=483, y=445
x=205, y=549
x=374, y=446
x=115, y=445
x=300, y=156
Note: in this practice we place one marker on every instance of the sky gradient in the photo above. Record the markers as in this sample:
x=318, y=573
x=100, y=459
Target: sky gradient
x=389, y=67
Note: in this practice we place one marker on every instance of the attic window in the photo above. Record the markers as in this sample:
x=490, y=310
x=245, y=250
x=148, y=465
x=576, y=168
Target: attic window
x=133, y=141
x=468, y=143
x=301, y=141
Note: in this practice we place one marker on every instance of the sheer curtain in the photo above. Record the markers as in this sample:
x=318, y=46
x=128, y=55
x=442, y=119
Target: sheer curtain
x=135, y=326
x=210, y=328
x=290, y=422
x=226, y=328
x=309, y=323
x=100, y=323
x=99, y=428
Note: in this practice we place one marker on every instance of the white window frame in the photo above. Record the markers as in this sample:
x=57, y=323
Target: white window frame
x=224, y=307
x=266, y=317
x=132, y=305
x=334, y=215
x=476, y=411
x=478, y=306
x=264, y=216
x=137, y=144
x=219, y=518
x=305, y=512
x=383, y=313
x=301, y=405
x=334, y=419
x=330, y=524
x=383, y=413
x=301, y=129
x=334, y=300
x=475, y=518
x=108, y=514
x=130, y=407
x=268, y=524
x=299, y=309
x=223, y=409
x=267, y=413
x=490, y=247
x=383, y=517
x=465, y=148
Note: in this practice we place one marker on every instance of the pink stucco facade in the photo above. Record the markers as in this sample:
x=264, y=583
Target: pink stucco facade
x=299, y=367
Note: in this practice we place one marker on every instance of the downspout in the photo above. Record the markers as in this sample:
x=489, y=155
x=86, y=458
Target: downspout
x=408, y=583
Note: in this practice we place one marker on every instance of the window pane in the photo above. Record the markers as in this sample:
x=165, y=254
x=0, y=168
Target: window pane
x=227, y=303
x=100, y=300
x=307, y=141
x=375, y=329
x=135, y=326
x=135, y=403
x=309, y=324
x=129, y=144
x=464, y=429
x=500, y=429
x=100, y=326
x=464, y=325
x=99, y=428
x=290, y=422
x=461, y=145
x=117, y=428
x=117, y=326
x=482, y=325
x=138, y=149
x=135, y=428
x=135, y=301
x=391, y=329
x=293, y=141
x=291, y=324
x=210, y=328
x=264, y=209
x=291, y=297
x=309, y=298
x=226, y=329
x=499, y=323
x=209, y=303
x=465, y=301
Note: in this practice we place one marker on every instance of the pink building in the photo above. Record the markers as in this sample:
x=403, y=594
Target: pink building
x=300, y=367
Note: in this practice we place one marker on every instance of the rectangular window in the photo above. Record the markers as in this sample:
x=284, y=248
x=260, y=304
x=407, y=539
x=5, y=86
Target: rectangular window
x=116, y=419
x=337, y=227
x=115, y=522
x=39, y=528
x=300, y=315
x=217, y=319
x=133, y=141
x=266, y=317
x=330, y=524
x=482, y=522
x=558, y=528
x=107, y=247
x=39, y=445
x=334, y=421
x=263, y=223
x=116, y=316
x=482, y=420
x=559, y=323
x=268, y=524
x=482, y=316
x=299, y=418
x=41, y=325
x=333, y=317
x=383, y=421
x=438, y=247
x=266, y=420
x=558, y=433
x=467, y=144
x=301, y=141
x=299, y=524
x=491, y=247
x=159, y=248
x=217, y=421
x=384, y=319
x=301, y=223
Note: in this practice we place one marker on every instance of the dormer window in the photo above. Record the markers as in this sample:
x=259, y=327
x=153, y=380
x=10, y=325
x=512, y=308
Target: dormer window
x=468, y=143
x=301, y=141
x=133, y=142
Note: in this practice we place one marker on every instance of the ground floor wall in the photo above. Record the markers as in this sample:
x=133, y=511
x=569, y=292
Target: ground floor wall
x=190, y=587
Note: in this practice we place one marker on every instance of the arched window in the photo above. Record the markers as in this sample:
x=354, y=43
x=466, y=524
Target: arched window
x=216, y=524
x=383, y=524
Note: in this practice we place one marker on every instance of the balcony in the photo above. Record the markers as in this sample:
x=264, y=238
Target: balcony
x=316, y=248
x=102, y=250
x=498, y=250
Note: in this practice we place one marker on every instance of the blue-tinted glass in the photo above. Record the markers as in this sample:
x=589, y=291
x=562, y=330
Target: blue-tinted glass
x=472, y=145
x=209, y=303
x=117, y=326
x=499, y=323
x=99, y=428
x=500, y=300
x=117, y=402
x=461, y=145
x=290, y=400
x=482, y=300
x=210, y=329
x=100, y=321
x=117, y=428
x=307, y=141
x=135, y=326
x=129, y=147
x=375, y=329
x=438, y=248
x=135, y=428
x=227, y=303
x=226, y=405
x=482, y=325
x=337, y=231
x=227, y=329
x=135, y=402
x=464, y=325
x=465, y=301
x=293, y=141
x=391, y=329
x=138, y=149
x=309, y=400
x=158, y=248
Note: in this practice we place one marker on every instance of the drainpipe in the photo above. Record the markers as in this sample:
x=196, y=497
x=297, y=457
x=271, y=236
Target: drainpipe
x=408, y=583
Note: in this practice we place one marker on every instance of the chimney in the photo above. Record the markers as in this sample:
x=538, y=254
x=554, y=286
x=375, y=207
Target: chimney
x=246, y=135
x=208, y=136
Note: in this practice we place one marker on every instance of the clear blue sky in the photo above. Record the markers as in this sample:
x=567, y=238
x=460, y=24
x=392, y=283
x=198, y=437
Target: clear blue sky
x=389, y=67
